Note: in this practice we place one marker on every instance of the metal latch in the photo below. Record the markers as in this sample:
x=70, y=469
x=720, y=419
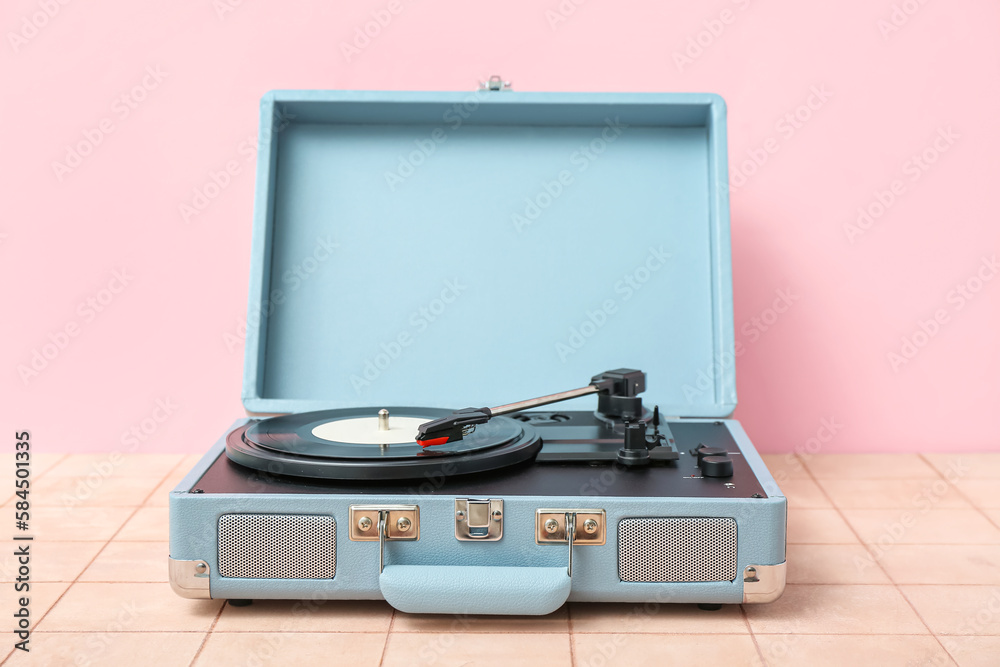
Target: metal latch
x=572, y=527
x=480, y=520
x=384, y=522
x=496, y=82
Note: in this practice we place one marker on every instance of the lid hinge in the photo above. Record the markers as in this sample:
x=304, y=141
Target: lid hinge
x=495, y=82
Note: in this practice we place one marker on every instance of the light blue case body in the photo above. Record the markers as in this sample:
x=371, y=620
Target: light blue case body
x=455, y=249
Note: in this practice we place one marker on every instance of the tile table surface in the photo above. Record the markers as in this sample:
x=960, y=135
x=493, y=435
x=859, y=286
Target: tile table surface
x=892, y=560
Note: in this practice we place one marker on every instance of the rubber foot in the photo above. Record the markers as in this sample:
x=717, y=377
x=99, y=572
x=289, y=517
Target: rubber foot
x=704, y=606
x=241, y=603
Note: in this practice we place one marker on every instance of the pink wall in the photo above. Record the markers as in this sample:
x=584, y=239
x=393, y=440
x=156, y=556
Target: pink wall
x=889, y=81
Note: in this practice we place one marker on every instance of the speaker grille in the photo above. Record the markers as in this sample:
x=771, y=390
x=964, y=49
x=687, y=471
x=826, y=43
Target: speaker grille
x=277, y=546
x=677, y=549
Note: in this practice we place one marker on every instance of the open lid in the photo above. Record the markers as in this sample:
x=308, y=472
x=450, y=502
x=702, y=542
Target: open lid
x=457, y=249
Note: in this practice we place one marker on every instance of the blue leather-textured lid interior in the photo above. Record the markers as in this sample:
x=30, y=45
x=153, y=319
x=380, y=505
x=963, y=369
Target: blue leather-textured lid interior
x=468, y=249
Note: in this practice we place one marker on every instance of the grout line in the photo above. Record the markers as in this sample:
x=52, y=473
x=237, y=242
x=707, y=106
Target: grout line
x=52, y=467
x=611, y=633
x=572, y=639
x=385, y=646
x=891, y=583
x=500, y=632
x=962, y=495
x=859, y=634
x=104, y=507
x=208, y=634
x=876, y=559
x=34, y=479
x=981, y=512
x=103, y=581
x=99, y=551
x=104, y=546
x=120, y=632
x=708, y=633
x=753, y=636
x=201, y=632
x=124, y=506
x=518, y=633
x=905, y=544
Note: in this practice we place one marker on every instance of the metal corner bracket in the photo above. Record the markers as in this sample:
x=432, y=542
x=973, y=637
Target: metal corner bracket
x=763, y=583
x=190, y=578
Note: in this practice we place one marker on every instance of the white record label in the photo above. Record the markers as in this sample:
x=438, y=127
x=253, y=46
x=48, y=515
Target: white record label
x=365, y=431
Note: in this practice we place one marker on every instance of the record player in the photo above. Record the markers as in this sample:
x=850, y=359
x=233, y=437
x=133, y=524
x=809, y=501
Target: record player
x=416, y=253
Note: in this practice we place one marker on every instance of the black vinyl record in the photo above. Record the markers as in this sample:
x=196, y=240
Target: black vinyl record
x=289, y=445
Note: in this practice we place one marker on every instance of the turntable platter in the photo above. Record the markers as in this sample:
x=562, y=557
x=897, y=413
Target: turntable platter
x=349, y=444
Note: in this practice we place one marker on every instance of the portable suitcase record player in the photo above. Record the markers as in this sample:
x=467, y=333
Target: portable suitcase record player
x=416, y=253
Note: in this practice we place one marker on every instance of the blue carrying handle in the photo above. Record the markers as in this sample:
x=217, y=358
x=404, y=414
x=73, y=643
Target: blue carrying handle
x=474, y=589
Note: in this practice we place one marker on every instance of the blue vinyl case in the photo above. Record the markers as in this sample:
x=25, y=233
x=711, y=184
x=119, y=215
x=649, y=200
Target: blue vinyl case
x=449, y=249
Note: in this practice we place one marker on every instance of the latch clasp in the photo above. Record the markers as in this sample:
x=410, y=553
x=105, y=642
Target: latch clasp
x=478, y=520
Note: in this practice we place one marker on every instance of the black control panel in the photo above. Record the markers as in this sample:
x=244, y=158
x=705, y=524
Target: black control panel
x=581, y=455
